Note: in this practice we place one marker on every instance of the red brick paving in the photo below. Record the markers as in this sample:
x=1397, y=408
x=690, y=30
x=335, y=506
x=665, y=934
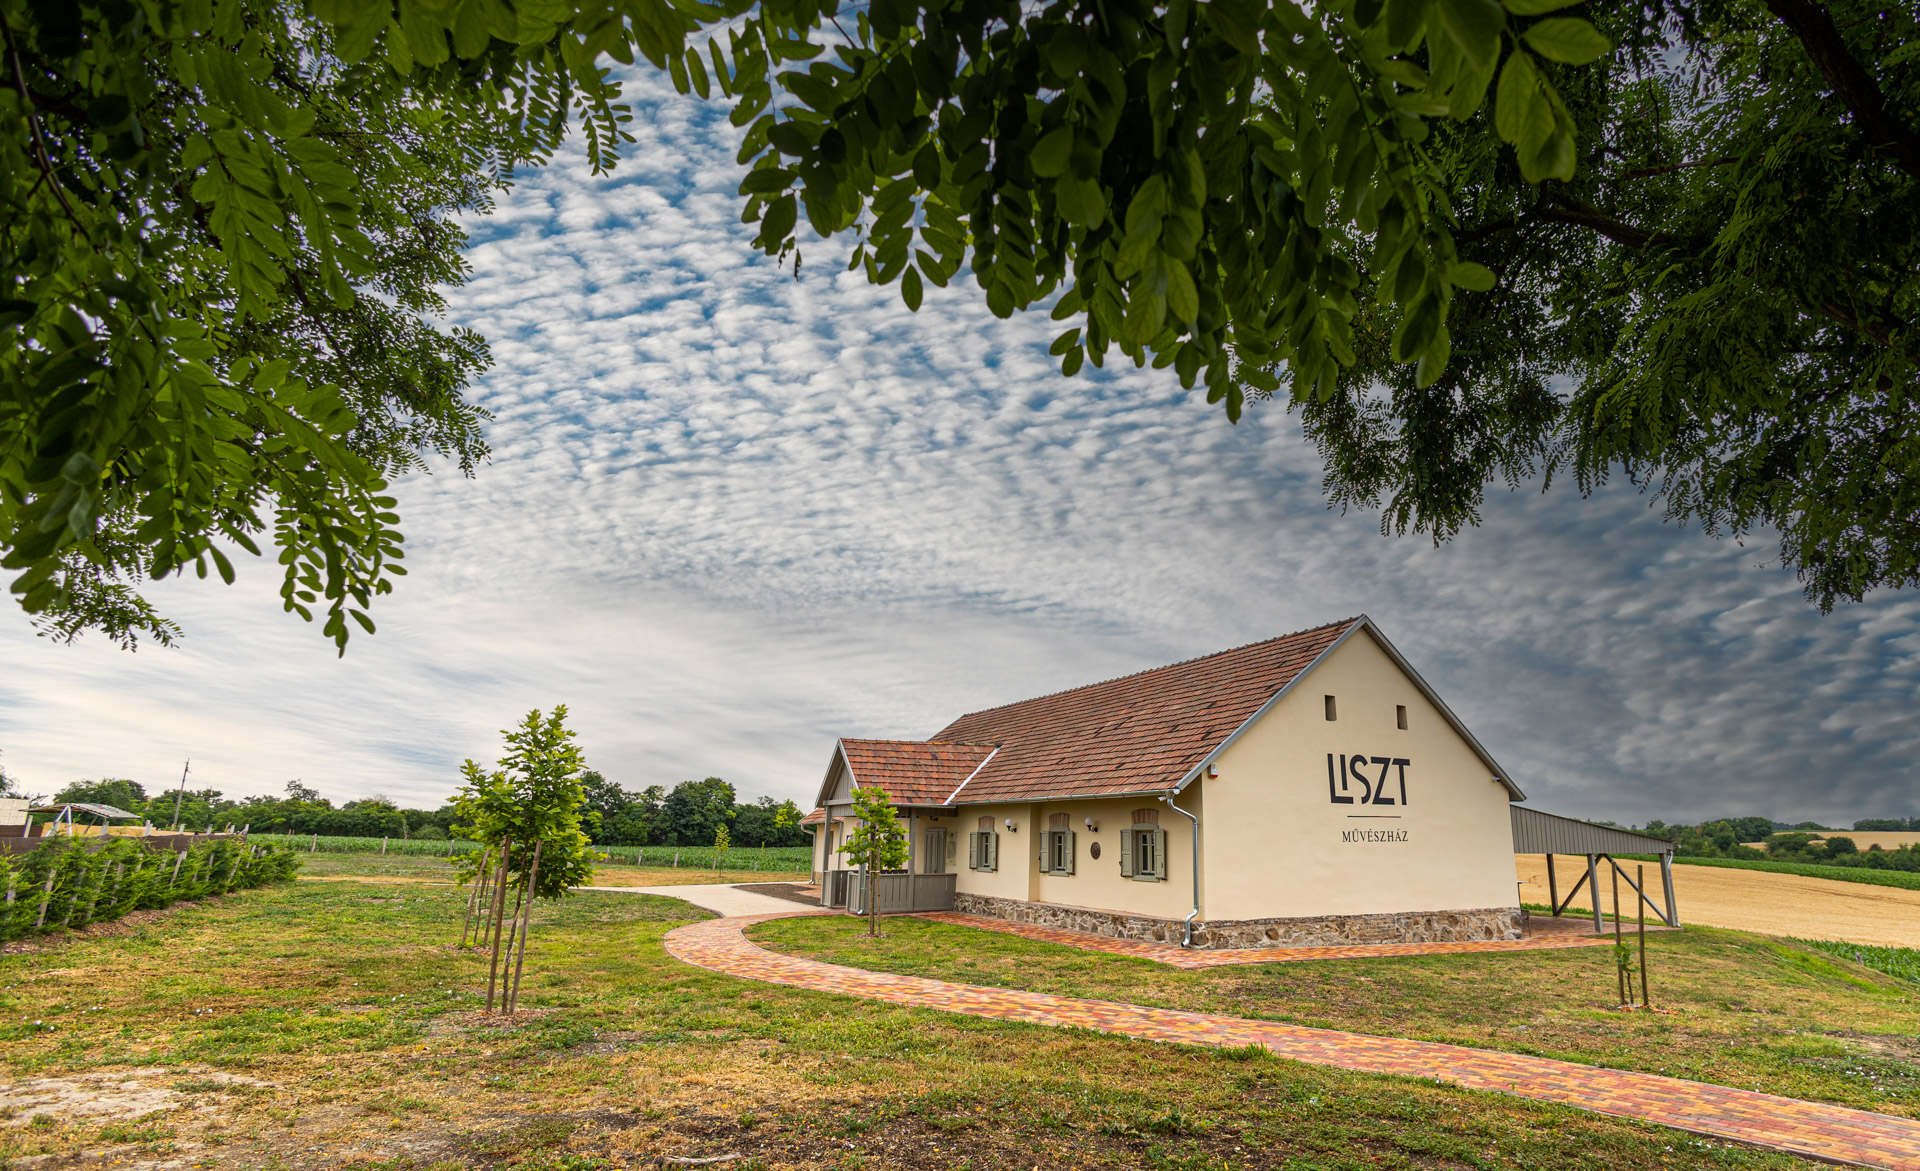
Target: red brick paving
x=1833, y=1133
x=1178, y=957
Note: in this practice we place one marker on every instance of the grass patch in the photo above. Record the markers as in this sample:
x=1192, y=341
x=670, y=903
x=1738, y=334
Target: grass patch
x=333, y=1024
x=1740, y=1010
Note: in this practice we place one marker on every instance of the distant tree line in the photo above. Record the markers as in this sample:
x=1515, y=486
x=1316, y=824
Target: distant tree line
x=691, y=814
x=1762, y=838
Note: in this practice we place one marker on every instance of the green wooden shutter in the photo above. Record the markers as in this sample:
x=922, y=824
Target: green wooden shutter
x=973, y=850
x=1066, y=851
x=1160, y=854
x=1128, y=841
x=1046, y=844
x=991, y=840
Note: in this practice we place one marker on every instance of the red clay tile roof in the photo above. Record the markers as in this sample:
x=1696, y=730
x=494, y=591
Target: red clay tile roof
x=1137, y=734
x=914, y=772
x=817, y=817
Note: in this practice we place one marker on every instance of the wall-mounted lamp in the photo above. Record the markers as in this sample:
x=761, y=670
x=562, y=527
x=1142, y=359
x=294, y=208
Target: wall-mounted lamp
x=1011, y=827
x=1093, y=825
x=1213, y=773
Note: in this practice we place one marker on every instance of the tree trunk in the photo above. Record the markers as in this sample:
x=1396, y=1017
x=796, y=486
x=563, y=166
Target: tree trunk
x=873, y=903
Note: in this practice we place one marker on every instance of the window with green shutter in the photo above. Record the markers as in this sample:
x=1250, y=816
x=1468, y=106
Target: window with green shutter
x=992, y=843
x=1146, y=854
x=1066, y=852
x=973, y=850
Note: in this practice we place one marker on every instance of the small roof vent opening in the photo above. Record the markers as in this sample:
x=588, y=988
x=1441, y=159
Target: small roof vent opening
x=1332, y=714
x=1400, y=715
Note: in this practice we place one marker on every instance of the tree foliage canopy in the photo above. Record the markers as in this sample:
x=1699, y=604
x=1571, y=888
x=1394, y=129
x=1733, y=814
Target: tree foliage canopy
x=534, y=795
x=1422, y=221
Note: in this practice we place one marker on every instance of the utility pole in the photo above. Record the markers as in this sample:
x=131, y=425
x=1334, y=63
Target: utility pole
x=181, y=791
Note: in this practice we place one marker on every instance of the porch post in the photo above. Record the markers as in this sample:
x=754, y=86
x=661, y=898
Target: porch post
x=913, y=854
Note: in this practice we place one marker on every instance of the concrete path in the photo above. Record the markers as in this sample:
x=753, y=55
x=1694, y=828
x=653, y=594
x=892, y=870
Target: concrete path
x=1832, y=1133
x=718, y=897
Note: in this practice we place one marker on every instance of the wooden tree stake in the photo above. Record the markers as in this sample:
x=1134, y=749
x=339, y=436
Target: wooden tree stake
x=473, y=894
x=499, y=908
x=533, y=877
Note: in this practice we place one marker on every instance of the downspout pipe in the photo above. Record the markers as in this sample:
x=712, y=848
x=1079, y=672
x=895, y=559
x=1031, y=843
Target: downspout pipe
x=1195, y=913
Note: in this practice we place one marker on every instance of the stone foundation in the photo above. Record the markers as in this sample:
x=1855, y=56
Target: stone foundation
x=1308, y=931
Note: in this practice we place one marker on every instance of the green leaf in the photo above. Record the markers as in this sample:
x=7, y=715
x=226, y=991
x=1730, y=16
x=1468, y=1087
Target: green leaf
x=1567, y=40
x=1514, y=100
x=1080, y=201
x=1474, y=25
x=1417, y=329
x=1536, y=7
x=1183, y=300
x=910, y=289
x=1051, y=153
x=1468, y=275
x=1065, y=342
x=1406, y=21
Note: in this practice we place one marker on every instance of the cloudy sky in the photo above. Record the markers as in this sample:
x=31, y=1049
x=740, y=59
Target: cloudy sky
x=732, y=515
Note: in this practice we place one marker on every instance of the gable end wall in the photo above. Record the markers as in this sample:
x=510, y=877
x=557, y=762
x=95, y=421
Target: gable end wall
x=1277, y=846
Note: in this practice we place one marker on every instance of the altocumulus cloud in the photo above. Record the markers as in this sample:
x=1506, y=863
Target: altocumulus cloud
x=732, y=515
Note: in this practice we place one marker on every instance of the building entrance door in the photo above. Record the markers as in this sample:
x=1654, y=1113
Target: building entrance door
x=934, y=852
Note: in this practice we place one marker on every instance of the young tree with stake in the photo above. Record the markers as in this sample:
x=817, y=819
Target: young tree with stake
x=528, y=809
x=878, y=843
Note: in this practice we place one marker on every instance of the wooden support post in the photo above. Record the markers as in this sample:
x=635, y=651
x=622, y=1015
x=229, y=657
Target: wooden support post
x=499, y=908
x=1645, y=1000
x=1553, y=888
x=1593, y=888
x=1620, y=969
x=178, y=858
x=316, y=844
x=526, y=922
x=1666, y=881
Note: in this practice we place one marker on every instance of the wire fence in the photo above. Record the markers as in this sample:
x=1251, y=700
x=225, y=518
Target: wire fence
x=782, y=859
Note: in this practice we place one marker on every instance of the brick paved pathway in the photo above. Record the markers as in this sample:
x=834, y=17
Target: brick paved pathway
x=1178, y=957
x=1833, y=1133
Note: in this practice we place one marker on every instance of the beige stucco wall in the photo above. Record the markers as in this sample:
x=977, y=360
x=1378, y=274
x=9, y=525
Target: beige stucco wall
x=1274, y=842
x=1097, y=884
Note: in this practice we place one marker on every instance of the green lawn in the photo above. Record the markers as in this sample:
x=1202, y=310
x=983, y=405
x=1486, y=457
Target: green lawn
x=1735, y=1009
x=332, y=1024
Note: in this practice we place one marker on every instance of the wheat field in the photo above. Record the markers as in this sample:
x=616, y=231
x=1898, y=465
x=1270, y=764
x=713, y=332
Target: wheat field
x=1750, y=900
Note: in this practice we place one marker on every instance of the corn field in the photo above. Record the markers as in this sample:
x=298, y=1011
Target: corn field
x=76, y=881
x=778, y=859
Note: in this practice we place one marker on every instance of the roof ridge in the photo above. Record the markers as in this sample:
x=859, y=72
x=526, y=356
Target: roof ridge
x=920, y=743
x=1147, y=671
